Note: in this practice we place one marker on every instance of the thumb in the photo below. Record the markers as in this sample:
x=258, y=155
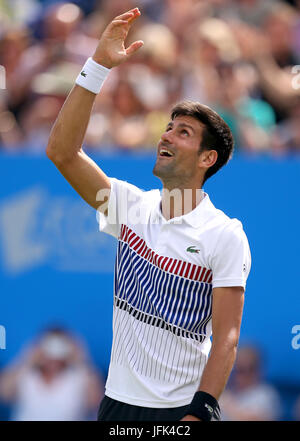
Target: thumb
x=134, y=47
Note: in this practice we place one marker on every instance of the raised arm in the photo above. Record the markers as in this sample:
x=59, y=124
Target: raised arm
x=67, y=135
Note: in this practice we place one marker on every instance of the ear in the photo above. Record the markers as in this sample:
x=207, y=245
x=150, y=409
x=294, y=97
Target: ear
x=207, y=158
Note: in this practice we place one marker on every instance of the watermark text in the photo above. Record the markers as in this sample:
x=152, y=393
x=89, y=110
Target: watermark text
x=296, y=338
x=135, y=208
x=2, y=337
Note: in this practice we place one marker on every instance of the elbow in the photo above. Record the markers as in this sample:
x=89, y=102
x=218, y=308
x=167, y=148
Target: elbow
x=50, y=153
x=229, y=343
x=55, y=151
x=58, y=157
x=55, y=157
x=54, y=148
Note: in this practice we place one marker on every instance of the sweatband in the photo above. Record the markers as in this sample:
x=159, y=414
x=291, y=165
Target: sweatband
x=204, y=406
x=92, y=76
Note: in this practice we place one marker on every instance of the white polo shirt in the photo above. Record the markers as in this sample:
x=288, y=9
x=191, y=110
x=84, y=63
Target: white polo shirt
x=164, y=275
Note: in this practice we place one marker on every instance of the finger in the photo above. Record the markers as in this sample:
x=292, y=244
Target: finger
x=118, y=21
x=124, y=16
x=115, y=23
x=136, y=14
x=127, y=14
x=134, y=17
x=134, y=47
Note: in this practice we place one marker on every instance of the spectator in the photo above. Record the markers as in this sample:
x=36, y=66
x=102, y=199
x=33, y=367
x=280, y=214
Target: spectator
x=248, y=397
x=52, y=380
x=296, y=410
x=236, y=56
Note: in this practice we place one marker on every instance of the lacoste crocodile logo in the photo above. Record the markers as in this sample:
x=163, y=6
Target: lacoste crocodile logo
x=83, y=73
x=192, y=249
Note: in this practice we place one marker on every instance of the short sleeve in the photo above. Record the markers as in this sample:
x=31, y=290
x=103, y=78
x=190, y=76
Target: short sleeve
x=231, y=261
x=127, y=204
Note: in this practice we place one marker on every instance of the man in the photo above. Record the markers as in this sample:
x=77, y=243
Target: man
x=51, y=380
x=250, y=397
x=181, y=265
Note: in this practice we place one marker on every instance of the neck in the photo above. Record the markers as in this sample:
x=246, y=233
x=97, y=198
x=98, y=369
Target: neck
x=176, y=202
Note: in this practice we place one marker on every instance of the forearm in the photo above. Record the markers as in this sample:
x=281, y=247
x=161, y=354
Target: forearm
x=217, y=369
x=68, y=132
x=215, y=374
x=227, y=312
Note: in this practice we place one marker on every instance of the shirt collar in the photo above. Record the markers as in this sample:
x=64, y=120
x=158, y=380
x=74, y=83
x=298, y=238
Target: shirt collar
x=195, y=218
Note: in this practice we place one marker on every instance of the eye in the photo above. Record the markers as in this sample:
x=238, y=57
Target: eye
x=185, y=132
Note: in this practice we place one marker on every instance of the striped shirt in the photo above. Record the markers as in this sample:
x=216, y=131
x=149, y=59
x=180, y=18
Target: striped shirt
x=165, y=272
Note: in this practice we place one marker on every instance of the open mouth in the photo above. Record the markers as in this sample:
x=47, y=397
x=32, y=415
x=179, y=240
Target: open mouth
x=165, y=153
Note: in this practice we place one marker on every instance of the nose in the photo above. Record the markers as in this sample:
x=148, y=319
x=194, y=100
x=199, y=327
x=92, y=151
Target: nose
x=166, y=137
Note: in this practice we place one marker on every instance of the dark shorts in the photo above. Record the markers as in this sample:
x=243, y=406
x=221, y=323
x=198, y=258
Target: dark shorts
x=113, y=410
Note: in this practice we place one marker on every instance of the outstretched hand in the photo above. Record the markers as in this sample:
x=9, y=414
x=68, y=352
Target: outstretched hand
x=111, y=49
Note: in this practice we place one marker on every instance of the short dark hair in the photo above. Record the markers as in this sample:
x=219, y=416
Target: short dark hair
x=216, y=134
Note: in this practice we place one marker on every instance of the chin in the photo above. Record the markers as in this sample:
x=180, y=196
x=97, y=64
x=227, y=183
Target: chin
x=162, y=171
x=158, y=172
x=155, y=171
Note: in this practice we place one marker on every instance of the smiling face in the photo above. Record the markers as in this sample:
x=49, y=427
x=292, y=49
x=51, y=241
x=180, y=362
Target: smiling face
x=178, y=160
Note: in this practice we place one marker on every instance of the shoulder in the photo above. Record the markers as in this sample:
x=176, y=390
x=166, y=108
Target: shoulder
x=126, y=189
x=233, y=229
x=226, y=228
x=118, y=184
x=232, y=239
x=227, y=240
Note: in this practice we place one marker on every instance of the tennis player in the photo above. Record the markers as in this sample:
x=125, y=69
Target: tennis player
x=181, y=265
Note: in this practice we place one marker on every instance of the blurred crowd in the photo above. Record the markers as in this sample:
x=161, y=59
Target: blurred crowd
x=241, y=57
x=248, y=396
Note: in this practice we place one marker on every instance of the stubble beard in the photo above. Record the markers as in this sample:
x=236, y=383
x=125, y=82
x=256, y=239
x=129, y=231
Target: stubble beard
x=165, y=172
x=170, y=177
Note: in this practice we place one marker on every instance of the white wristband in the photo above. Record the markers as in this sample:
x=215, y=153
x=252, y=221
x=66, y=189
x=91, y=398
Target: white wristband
x=92, y=76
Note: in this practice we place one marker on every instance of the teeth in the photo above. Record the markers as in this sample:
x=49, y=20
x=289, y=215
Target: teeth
x=165, y=151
